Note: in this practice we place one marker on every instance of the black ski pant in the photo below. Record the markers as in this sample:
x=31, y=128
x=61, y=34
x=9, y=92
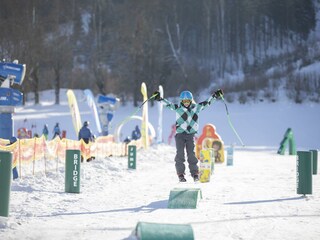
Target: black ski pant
x=185, y=141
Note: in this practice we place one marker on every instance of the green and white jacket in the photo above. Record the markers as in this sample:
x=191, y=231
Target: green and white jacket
x=187, y=117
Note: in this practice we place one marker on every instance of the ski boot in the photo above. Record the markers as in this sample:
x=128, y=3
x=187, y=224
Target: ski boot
x=196, y=177
x=182, y=178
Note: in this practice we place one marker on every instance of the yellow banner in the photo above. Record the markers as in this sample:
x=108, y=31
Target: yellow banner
x=74, y=109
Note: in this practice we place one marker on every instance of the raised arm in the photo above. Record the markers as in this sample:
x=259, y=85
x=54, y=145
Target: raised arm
x=165, y=102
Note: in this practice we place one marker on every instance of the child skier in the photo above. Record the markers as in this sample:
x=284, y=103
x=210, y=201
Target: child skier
x=187, y=112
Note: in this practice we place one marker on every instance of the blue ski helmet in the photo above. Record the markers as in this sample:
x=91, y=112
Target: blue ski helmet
x=186, y=95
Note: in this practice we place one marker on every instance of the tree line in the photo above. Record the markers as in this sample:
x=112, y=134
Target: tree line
x=112, y=46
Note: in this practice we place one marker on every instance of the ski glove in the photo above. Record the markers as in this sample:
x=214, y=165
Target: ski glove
x=217, y=94
x=157, y=96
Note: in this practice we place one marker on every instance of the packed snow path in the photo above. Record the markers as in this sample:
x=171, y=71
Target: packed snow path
x=254, y=199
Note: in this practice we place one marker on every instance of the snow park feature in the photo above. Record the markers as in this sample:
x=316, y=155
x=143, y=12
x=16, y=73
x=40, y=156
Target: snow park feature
x=230, y=152
x=304, y=172
x=206, y=165
x=132, y=157
x=72, y=171
x=159, y=231
x=117, y=131
x=314, y=161
x=210, y=139
x=288, y=141
x=184, y=198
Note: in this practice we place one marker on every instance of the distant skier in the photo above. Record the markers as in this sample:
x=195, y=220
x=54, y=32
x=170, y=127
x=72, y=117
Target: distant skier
x=56, y=131
x=187, y=112
x=85, y=133
x=45, y=131
x=136, y=133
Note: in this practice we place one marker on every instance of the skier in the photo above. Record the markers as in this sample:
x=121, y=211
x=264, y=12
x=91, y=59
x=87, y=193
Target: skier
x=45, y=131
x=56, y=131
x=85, y=133
x=187, y=112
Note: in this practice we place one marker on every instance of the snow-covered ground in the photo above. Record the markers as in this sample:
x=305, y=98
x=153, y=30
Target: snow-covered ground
x=253, y=199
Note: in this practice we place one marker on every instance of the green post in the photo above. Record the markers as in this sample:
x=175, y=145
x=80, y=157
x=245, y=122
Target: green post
x=160, y=231
x=72, y=171
x=292, y=144
x=288, y=139
x=230, y=156
x=314, y=162
x=132, y=155
x=304, y=172
x=284, y=142
x=5, y=182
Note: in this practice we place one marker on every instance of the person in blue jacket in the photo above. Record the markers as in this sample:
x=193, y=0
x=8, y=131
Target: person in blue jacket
x=85, y=133
x=56, y=131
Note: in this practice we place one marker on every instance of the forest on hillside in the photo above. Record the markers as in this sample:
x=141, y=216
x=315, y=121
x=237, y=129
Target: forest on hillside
x=249, y=47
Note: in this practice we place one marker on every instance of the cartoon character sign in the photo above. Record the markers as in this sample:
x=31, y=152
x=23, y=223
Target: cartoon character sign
x=209, y=139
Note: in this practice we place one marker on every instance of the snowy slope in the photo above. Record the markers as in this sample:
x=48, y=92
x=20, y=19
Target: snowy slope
x=254, y=199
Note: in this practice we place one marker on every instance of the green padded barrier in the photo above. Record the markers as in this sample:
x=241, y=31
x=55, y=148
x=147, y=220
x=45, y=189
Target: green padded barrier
x=159, y=231
x=184, y=197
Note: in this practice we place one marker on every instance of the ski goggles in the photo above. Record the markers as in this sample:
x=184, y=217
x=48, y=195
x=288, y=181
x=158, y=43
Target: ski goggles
x=186, y=101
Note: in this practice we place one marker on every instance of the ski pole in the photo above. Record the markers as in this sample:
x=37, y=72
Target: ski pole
x=229, y=121
x=135, y=111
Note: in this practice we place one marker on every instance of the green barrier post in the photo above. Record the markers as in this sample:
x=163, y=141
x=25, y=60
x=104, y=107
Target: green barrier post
x=159, y=231
x=314, y=162
x=72, y=171
x=288, y=140
x=292, y=144
x=230, y=156
x=184, y=198
x=304, y=172
x=132, y=155
x=5, y=182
